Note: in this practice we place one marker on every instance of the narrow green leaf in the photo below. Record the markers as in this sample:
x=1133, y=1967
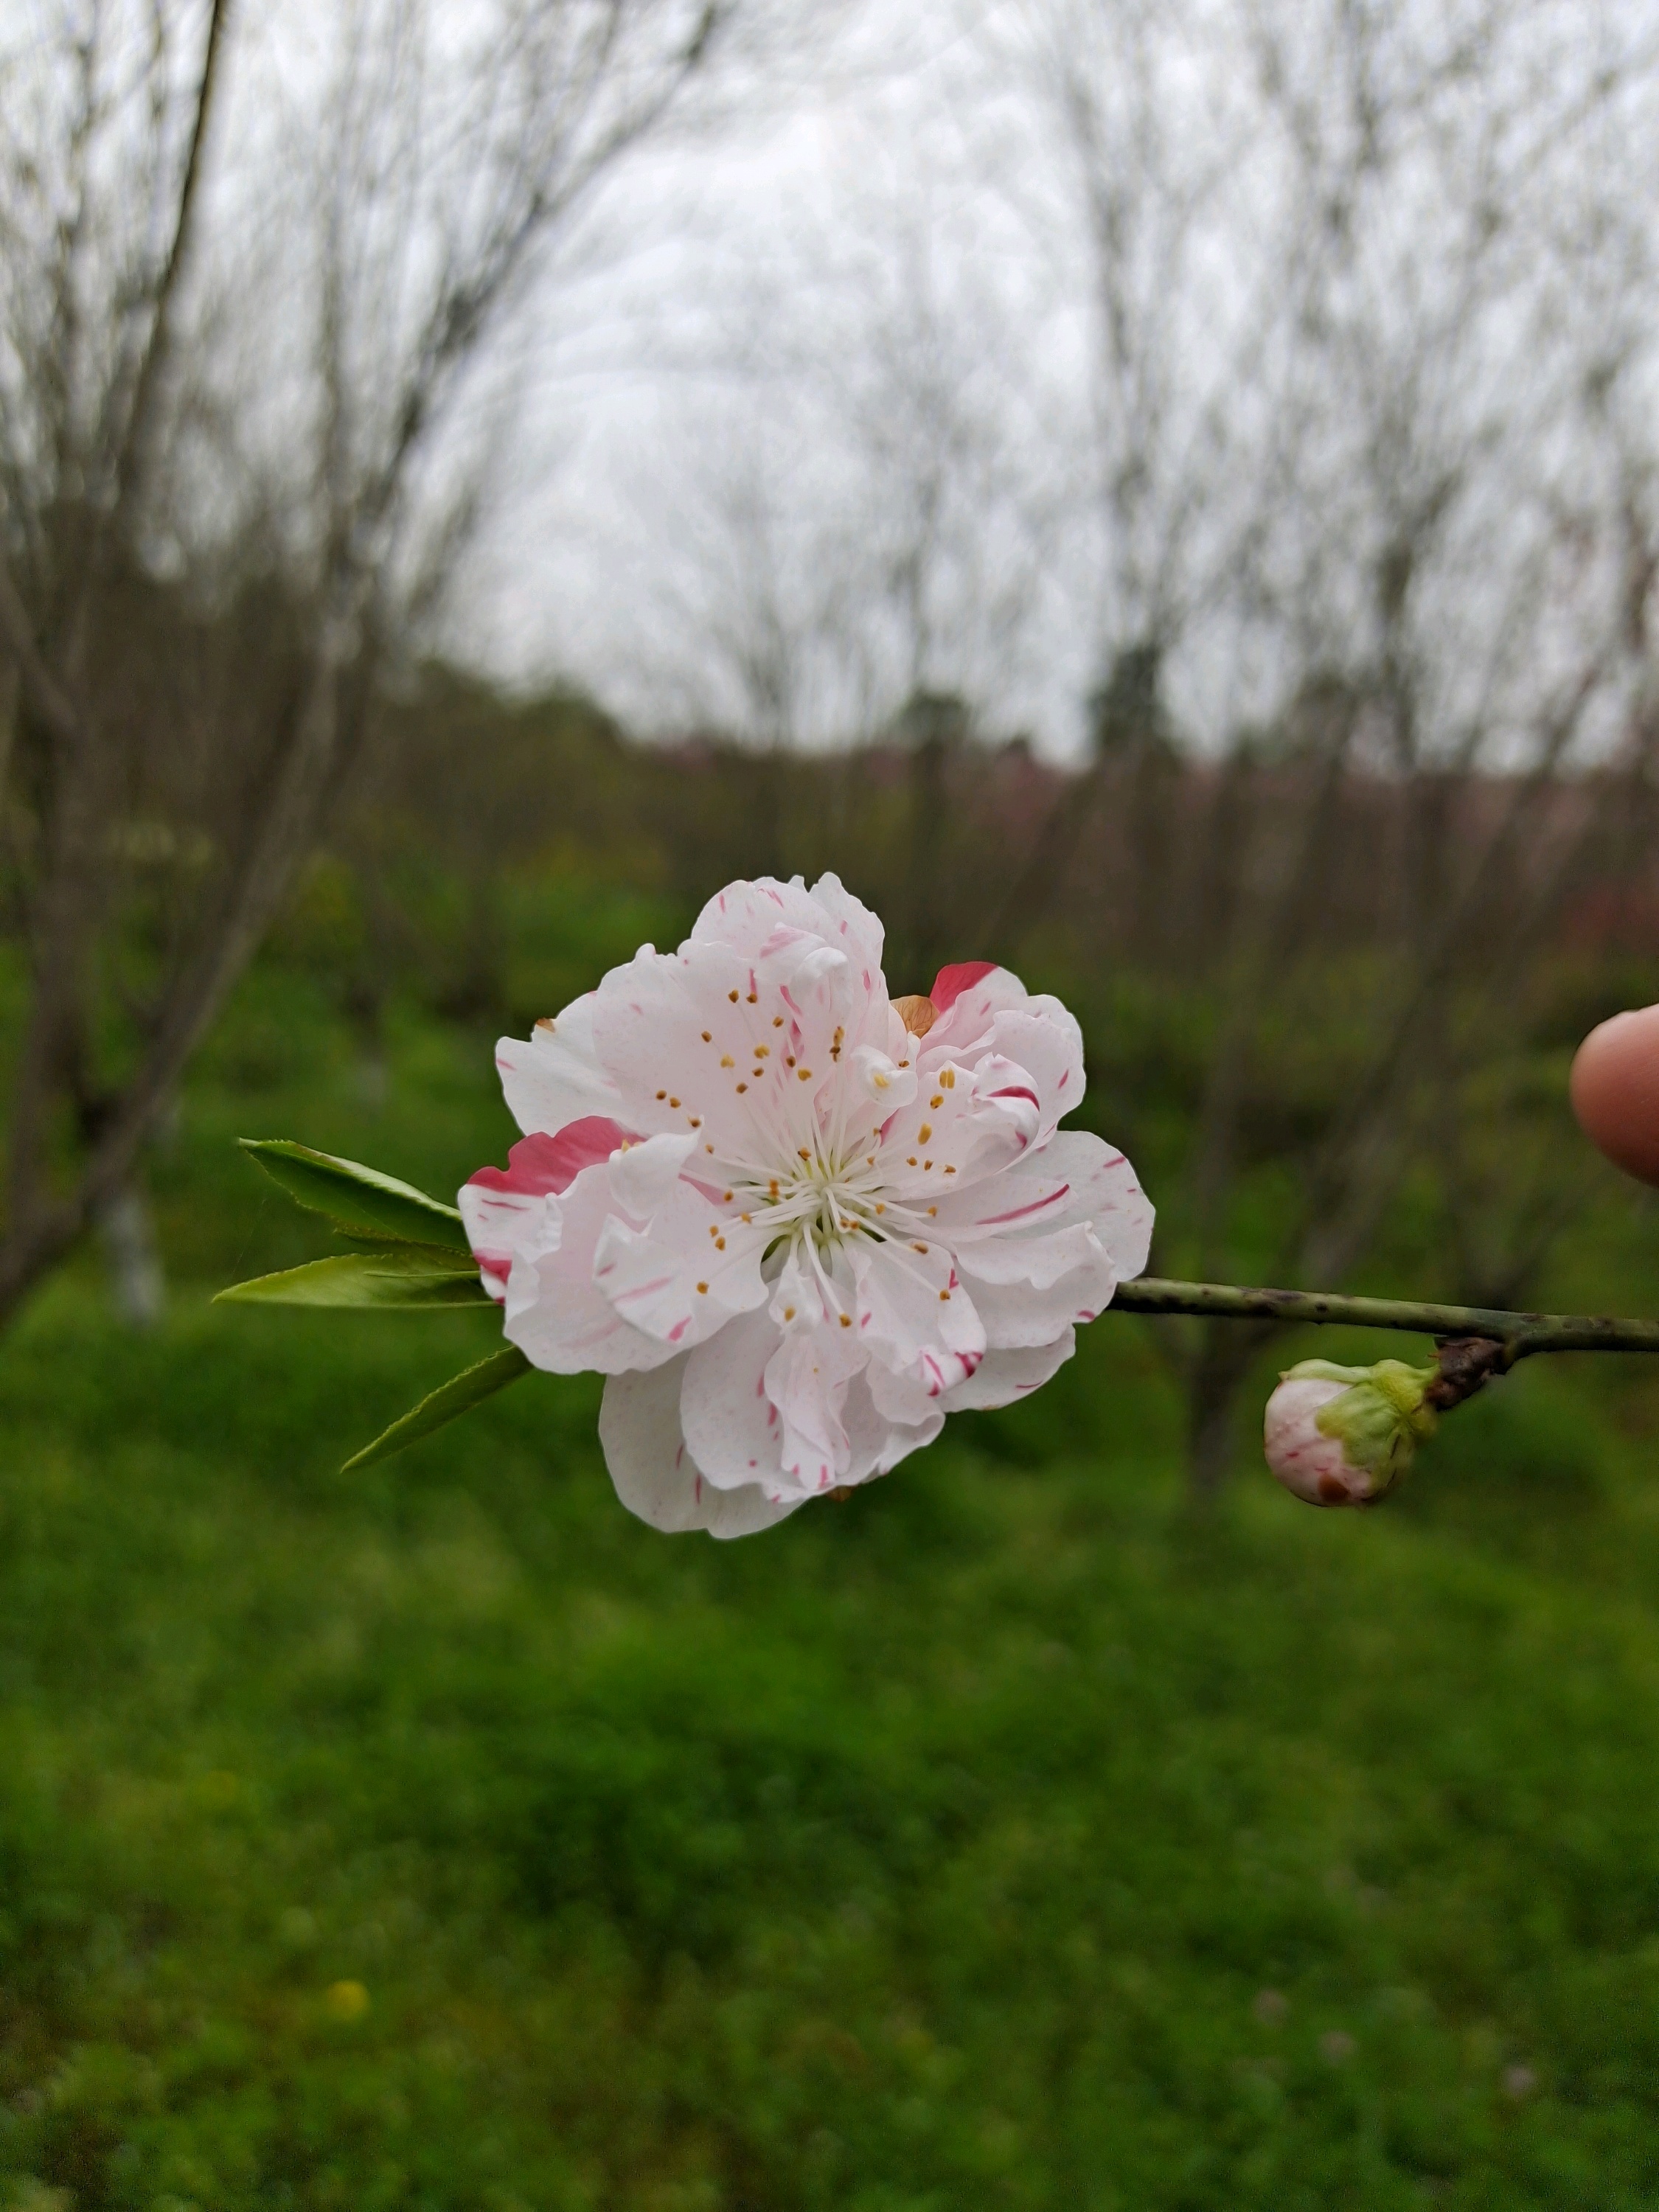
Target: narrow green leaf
x=380, y=1275
x=457, y=1396
x=356, y=1198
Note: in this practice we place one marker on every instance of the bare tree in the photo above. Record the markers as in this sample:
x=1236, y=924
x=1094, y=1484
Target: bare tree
x=254, y=299
x=1375, y=363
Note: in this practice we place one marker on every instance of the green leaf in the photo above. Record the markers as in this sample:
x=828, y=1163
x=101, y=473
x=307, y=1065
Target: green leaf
x=378, y=1275
x=356, y=1198
x=457, y=1396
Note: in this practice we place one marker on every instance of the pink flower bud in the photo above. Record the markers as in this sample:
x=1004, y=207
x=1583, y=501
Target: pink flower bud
x=1344, y=1436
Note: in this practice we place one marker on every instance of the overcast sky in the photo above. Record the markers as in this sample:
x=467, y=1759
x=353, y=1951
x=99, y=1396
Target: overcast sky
x=759, y=260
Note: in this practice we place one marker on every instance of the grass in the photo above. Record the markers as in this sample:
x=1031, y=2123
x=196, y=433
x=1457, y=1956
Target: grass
x=440, y=1836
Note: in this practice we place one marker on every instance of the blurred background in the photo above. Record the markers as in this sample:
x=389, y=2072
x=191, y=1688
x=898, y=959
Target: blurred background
x=1165, y=496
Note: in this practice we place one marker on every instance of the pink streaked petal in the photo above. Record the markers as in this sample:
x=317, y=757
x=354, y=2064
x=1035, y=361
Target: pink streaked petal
x=912, y=1305
x=1003, y=1377
x=732, y=1427
x=653, y=1471
x=1021, y=1316
x=806, y=1380
x=1076, y=1179
x=540, y=1163
x=1024, y=1212
x=744, y=916
x=553, y=1076
x=686, y=1275
x=951, y=983
x=886, y=1417
x=553, y=1314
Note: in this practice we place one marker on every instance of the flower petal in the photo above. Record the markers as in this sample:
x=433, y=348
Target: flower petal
x=554, y=1313
x=886, y=1417
x=554, y=1076
x=1003, y=1375
x=643, y=1175
x=738, y=1049
x=913, y=1313
x=1023, y=1225
x=655, y=1475
x=733, y=1430
x=1021, y=1316
x=746, y=915
x=685, y=1274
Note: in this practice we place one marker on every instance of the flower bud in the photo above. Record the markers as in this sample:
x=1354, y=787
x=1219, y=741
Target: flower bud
x=1344, y=1436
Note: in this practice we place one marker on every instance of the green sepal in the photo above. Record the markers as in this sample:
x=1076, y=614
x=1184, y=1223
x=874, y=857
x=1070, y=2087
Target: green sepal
x=447, y=1403
x=378, y=1275
x=359, y=1199
x=1380, y=1418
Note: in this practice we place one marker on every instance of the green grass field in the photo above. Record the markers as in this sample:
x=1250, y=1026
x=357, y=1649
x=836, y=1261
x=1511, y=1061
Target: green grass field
x=440, y=1836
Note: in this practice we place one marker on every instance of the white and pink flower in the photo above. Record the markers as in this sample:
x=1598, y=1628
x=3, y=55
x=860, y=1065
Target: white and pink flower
x=794, y=1222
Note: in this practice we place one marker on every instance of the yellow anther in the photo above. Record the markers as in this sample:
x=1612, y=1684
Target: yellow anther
x=720, y=1243
x=944, y=1297
x=703, y=1287
x=732, y=996
x=742, y=1087
x=789, y=1313
x=924, y=1132
x=708, y=1037
x=947, y=1078
x=662, y=1094
x=727, y=1061
x=803, y=1075
x=847, y=1321
x=936, y=1102
x=673, y=1102
x=777, y=1021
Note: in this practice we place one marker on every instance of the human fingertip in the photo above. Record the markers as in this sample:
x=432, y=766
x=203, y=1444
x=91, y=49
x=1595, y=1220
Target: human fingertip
x=1615, y=1091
